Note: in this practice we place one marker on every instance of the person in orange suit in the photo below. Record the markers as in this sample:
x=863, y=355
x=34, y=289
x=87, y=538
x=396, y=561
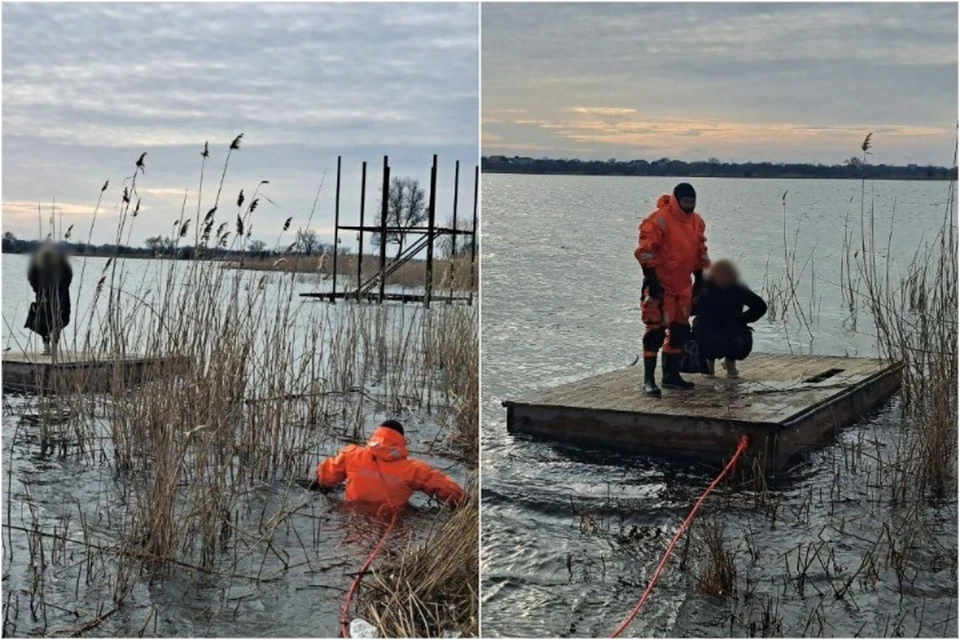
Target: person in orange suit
x=382, y=473
x=672, y=251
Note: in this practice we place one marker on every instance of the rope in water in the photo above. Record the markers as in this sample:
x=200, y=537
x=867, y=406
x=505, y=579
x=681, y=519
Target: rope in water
x=744, y=442
x=345, y=614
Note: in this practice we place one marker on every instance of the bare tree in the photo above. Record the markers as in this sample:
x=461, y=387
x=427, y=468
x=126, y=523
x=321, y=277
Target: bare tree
x=154, y=244
x=406, y=208
x=307, y=241
x=161, y=245
x=449, y=248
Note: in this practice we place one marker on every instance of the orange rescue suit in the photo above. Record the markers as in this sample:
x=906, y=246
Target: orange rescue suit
x=674, y=243
x=382, y=473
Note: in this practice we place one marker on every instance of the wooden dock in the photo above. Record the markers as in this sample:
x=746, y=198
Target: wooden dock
x=785, y=404
x=73, y=372
x=373, y=297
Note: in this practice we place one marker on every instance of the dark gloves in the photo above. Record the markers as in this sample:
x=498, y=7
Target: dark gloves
x=650, y=283
x=311, y=484
x=697, y=283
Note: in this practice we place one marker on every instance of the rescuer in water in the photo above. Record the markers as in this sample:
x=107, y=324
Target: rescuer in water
x=671, y=250
x=382, y=473
x=721, y=323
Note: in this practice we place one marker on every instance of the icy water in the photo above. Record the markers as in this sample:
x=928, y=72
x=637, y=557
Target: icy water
x=293, y=587
x=571, y=537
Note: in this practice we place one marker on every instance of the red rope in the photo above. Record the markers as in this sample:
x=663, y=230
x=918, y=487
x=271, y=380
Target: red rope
x=345, y=614
x=673, y=543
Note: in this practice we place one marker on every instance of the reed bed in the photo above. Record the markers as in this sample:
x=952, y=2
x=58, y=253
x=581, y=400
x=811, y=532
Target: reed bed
x=205, y=455
x=431, y=590
x=902, y=482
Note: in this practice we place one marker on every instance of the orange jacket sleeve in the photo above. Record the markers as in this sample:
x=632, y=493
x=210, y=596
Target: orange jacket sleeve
x=702, y=253
x=647, y=252
x=436, y=484
x=333, y=471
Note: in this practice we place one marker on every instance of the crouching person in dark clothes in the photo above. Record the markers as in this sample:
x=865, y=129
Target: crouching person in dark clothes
x=723, y=311
x=50, y=276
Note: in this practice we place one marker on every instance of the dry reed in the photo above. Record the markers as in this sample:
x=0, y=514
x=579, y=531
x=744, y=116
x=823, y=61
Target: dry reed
x=430, y=591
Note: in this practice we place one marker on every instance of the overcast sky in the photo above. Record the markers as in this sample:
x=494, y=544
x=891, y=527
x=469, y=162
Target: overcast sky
x=88, y=87
x=735, y=81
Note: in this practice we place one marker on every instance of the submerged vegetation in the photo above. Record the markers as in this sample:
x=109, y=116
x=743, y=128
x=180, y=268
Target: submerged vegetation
x=192, y=476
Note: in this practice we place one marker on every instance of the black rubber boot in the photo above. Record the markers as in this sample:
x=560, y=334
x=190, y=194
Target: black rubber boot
x=671, y=372
x=650, y=387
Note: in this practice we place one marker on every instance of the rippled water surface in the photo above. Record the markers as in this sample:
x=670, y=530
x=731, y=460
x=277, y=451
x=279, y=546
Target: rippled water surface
x=570, y=537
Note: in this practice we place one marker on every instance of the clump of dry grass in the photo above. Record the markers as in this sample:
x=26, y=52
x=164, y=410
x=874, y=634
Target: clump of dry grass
x=430, y=591
x=719, y=577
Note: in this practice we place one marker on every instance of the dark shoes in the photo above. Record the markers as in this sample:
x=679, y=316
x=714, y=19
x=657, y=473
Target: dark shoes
x=671, y=372
x=650, y=387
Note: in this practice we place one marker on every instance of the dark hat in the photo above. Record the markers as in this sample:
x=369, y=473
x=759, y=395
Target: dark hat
x=393, y=424
x=684, y=190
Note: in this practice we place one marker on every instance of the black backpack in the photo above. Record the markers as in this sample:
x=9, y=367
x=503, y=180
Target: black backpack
x=690, y=361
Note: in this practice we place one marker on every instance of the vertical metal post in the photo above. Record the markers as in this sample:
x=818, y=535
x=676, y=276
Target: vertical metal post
x=453, y=237
x=431, y=220
x=363, y=200
x=473, y=233
x=383, y=223
x=336, y=234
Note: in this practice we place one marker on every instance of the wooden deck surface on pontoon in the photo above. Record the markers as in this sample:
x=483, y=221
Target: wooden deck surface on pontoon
x=790, y=400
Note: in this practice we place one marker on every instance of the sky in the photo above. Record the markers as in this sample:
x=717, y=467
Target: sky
x=774, y=82
x=87, y=88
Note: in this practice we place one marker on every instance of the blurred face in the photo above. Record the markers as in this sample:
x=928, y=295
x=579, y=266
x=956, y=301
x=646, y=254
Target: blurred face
x=722, y=277
x=687, y=204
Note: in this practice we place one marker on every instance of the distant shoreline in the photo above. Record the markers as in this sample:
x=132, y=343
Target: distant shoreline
x=693, y=175
x=854, y=169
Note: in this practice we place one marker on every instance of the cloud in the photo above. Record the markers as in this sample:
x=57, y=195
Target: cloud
x=603, y=111
x=25, y=213
x=735, y=80
x=304, y=82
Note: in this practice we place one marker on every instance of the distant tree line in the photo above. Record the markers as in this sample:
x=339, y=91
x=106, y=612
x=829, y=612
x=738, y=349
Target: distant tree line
x=306, y=243
x=166, y=247
x=406, y=211
x=853, y=168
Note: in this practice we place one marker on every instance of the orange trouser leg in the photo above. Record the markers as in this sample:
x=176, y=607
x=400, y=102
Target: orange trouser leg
x=667, y=322
x=651, y=312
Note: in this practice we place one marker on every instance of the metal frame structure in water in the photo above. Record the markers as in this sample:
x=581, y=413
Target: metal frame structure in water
x=373, y=289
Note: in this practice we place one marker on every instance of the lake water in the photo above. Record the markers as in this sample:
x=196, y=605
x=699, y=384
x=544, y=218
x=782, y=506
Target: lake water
x=313, y=554
x=570, y=537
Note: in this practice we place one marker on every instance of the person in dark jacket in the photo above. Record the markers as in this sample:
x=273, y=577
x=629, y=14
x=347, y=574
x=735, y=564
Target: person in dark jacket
x=50, y=276
x=724, y=309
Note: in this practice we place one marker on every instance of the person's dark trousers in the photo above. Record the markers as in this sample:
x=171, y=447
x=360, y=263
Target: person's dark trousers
x=715, y=343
